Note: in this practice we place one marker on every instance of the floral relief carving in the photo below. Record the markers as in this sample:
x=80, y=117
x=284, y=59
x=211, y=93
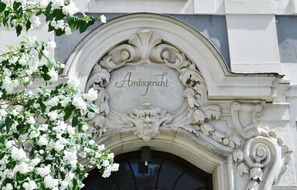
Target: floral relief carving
x=263, y=157
x=147, y=46
x=257, y=152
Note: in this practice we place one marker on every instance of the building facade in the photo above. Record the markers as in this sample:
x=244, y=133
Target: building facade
x=210, y=82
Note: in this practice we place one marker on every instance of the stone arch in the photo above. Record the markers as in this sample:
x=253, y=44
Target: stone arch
x=242, y=154
x=221, y=83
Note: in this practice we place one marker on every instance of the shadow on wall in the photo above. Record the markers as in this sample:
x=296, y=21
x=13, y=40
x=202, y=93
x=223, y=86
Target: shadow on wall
x=287, y=38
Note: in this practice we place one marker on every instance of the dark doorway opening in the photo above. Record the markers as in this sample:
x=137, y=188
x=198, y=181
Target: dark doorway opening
x=163, y=171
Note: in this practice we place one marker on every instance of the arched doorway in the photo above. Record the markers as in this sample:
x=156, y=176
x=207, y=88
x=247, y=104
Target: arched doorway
x=162, y=171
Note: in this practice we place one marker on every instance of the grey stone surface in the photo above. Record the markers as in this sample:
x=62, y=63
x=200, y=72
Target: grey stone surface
x=287, y=38
x=212, y=27
x=146, y=83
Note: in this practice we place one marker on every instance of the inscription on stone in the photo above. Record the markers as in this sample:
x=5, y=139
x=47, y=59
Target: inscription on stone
x=134, y=85
x=161, y=80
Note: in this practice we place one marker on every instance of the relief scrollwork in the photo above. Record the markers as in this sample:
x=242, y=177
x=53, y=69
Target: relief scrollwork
x=148, y=120
x=148, y=47
x=263, y=156
x=257, y=152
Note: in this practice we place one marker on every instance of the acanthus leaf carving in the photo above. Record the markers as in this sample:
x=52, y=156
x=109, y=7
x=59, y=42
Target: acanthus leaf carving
x=147, y=46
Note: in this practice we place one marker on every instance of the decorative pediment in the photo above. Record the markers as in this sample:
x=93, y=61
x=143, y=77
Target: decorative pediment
x=146, y=84
x=144, y=54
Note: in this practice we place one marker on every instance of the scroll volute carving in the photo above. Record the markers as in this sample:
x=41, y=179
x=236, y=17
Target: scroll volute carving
x=263, y=156
x=147, y=47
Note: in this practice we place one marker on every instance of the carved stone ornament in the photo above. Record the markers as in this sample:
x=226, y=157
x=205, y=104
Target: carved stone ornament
x=257, y=152
x=146, y=47
x=263, y=156
x=148, y=120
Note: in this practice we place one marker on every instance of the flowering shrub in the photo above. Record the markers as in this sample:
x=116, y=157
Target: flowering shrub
x=44, y=131
x=59, y=14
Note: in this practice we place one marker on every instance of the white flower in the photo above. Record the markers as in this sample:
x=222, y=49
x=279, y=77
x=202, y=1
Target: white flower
x=43, y=127
x=52, y=45
x=105, y=163
x=110, y=155
x=73, y=82
x=7, y=84
x=79, y=103
x=35, y=162
x=115, y=167
x=9, y=144
x=91, y=95
x=97, y=155
x=85, y=127
x=53, y=115
x=3, y=113
x=42, y=140
x=53, y=74
x=35, y=21
x=103, y=19
x=106, y=172
x=65, y=101
x=70, y=130
x=34, y=134
x=57, y=3
x=43, y=3
x=8, y=186
x=23, y=168
x=67, y=31
x=52, y=102
x=60, y=24
x=50, y=182
x=101, y=147
x=43, y=171
x=70, y=156
x=30, y=185
x=58, y=146
x=18, y=153
x=31, y=120
x=69, y=176
x=91, y=142
x=70, y=9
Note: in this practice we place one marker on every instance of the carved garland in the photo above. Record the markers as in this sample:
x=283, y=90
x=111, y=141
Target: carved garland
x=259, y=153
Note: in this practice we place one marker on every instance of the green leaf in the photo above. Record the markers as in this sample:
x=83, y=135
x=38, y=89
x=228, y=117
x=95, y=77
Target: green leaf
x=16, y=6
x=58, y=13
x=2, y=7
x=48, y=10
x=28, y=25
x=18, y=29
x=75, y=121
x=68, y=111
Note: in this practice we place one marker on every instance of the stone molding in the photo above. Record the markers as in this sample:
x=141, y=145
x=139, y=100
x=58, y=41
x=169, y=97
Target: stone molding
x=263, y=156
x=257, y=152
x=195, y=114
x=235, y=135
